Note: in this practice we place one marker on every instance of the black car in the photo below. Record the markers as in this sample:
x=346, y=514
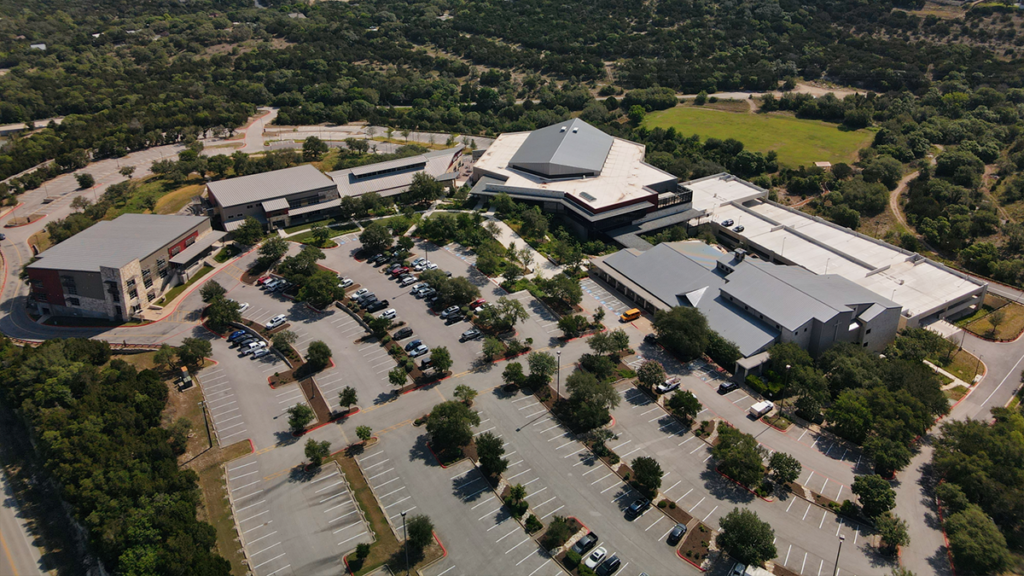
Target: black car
x=583, y=545
x=651, y=339
x=403, y=333
x=471, y=334
x=367, y=302
x=379, y=305
x=726, y=387
x=638, y=507
x=676, y=534
x=457, y=317
x=609, y=566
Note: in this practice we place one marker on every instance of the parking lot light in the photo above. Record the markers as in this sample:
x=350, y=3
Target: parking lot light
x=558, y=377
x=835, y=569
x=405, y=534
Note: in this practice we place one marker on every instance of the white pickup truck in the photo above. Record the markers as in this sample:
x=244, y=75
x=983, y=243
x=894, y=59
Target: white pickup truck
x=761, y=408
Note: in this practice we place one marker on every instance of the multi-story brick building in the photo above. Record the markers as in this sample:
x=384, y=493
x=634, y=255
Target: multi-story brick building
x=115, y=268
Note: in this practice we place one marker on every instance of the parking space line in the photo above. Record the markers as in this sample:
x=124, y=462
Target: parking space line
x=552, y=512
x=374, y=455
x=709, y=514
x=392, y=492
x=268, y=561
x=671, y=487
x=630, y=452
x=265, y=549
x=805, y=513
x=257, y=527
x=397, y=503
x=536, y=413
x=695, y=449
x=601, y=478
x=518, y=545
x=523, y=399
x=333, y=497
x=687, y=440
x=352, y=538
x=507, y=535
x=473, y=494
x=251, y=505
x=377, y=464
x=243, y=475
x=233, y=435
x=242, y=466
x=480, y=504
x=541, y=421
x=400, y=513
x=531, y=481
x=248, y=495
x=613, y=486
x=543, y=503
x=257, y=515
x=575, y=454
x=329, y=487
x=336, y=507
x=520, y=474
x=482, y=431
x=822, y=523
x=489, y=513
x=262, y=537
x=564, y=445
x=528, y=557
x=342, y=516
x=538, y=568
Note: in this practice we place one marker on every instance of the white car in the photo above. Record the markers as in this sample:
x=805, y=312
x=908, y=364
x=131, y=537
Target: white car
x=389, y=313
x=260, y=353
x=595, y=558
x=419, y=267
x=360, y=292
x=243, y=306
x=419, y=287
x=418, y=351
x=668, y=385
x=275, y=322
x=345, y=283
x=418, y=261
x=431, y=265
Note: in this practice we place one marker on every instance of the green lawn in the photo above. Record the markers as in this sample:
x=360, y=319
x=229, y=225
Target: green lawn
x=798, y=142
x=173, y=292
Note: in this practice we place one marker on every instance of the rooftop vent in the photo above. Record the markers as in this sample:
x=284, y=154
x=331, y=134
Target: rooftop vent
x=740, y=254
x=587, y=197
x=562, y=129
x=575, y=130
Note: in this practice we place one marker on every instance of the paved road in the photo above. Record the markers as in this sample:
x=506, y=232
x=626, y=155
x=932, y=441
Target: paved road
x=18, y=556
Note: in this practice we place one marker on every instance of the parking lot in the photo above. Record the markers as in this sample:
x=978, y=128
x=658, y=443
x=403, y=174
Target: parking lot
x=806, y=535
x=292, y=521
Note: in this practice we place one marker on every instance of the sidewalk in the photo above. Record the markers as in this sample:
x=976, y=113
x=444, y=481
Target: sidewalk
x=151, y=314
x=956, y=381
x=542, y=267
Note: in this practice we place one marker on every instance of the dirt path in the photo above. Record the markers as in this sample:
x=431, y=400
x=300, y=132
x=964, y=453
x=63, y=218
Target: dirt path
x=894, y=198
x=986, y=191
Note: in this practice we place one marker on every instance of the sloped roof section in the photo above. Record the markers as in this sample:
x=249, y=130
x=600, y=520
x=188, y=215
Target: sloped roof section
x=268, y=185
x=571, y=148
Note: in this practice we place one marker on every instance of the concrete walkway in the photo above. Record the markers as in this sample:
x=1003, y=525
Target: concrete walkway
x=542, y=267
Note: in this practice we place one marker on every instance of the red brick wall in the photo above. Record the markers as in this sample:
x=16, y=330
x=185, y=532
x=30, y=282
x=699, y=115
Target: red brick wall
x=50, y=279
x=181, y=245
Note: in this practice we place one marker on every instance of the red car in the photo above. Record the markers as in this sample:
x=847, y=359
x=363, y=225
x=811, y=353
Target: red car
x=399, y=271
x=479, y=303
x=263, y=280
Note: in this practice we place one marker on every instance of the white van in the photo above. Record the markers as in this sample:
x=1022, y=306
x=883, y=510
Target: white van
x=761, y=408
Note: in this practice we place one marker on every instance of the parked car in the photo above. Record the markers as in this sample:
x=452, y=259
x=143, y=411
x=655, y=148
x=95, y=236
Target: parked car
x=369, y=297
x=449, y=311
x=253, y=346
x=243, y=306
x=413, y=344
x=609, y=567
x=271, y=284
x=638, y=507
x=726, y=387
x=418, y=261
x=406, y=281
x=738, y=228
x=275, y=322
x=676, y=534
x=346, y=282
x=419, y=267
x=419, y=288
x=377, y=305
x=454, y=317
x=668, y=385
x=389, y=313
x=263, y=280
x=760, y=409
x=402, y=334
x=583, y=545
x=479, y=303
x=595, y=558
x=399, y=271
x=418, y=351
x=244, y=340
x=471, y=334
x=236, y=335
x=427, y=292
x=260, y=353
x=727, y=223
x=432, y=266
x=426, y=363
x=433, y=297
x=282, y=286
x=651, y=338
x=359, y=293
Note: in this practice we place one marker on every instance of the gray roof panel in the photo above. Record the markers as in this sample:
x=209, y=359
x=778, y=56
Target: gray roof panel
x=116, y=242
x=563, y=149
x=269, y=185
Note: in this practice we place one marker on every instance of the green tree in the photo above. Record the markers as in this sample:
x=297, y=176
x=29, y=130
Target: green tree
x=449, y=426
x=318, y=356
x=746, y=537
x=684, y=405
x=489, y=451
x=283, y=340
x=875, y=493
x=590, y=400
x=379, y=325
x=787, y=354
x=406, y=243
x=850, y=416
x=647, y=473
x=193, y=352
x=397, y=376
x=441, y=359
x=513, y=374
x=977, y=544
x=421, y=533
x=682, y=330
x=164, y=357
x=465, y=393
x=317, y=451
x=739, y=456
x=347, y=397
x=636, y=114
x=273, y=249
x=424, y=188
x=375, y=237
x=320, y=290
x=884, y=169
x=298, y=416
x=313, y=149
x=572, y=325
x=503, y=314
x=85, y=180
x=543, y=366
x=558, y=533
x=321, y=234
x=221, y=313
x=493, y=348
x=888, y=455
x=893, y=531
x=211, y=291
x=179, y=431
x=126, y=171
x=785, y=468
x=564, y=288
x=250, y=232
x=650, y=374
x=364, y=433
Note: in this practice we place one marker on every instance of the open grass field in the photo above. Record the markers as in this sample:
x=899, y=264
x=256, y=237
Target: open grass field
x=798, y=142
x=171, y=202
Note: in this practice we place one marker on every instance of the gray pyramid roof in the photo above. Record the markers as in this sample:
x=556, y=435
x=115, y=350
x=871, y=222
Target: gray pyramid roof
x=570, y=148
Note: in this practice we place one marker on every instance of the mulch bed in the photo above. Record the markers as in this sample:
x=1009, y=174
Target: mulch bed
x=316, y=400
x=677, y=514
x=470, y=451
x=695, y=544
x=783, y=571
x=22, y=221
x=288, y=375
x=822, y=500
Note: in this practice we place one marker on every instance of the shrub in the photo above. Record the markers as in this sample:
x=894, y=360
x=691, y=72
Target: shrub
x=672, y=505
x=533, y=524
x=584, y=571
x=362, y=550
x=662, y=504
x=572, y=559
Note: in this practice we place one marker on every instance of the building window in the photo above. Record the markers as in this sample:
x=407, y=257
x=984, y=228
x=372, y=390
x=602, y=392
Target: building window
x=133, y=294
x=148, y=281
x=867, y=332
x=136, y=309
x=145, y=272
x=130, y=283
x=150, y=296
x=73, y=302
x=175, y=250
x=190, y=240
x=71, y=289
x=163, y=272
x=865, y=344
x=160, y=263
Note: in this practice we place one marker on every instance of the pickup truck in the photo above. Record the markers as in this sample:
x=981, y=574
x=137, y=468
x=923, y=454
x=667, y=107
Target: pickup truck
x=761, y=408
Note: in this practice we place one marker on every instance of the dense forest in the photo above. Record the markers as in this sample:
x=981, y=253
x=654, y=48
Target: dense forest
x=96, y=423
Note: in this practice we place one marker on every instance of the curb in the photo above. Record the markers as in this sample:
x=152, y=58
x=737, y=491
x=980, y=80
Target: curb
x=444, y=467
x=695, y=565
x=26, y=223
x=723, y=475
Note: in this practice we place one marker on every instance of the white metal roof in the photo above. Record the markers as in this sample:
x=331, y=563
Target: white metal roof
x=268, y=185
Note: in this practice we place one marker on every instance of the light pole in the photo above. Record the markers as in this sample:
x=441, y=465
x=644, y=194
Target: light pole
x=405, y=534
x=835, y=569
x=558, y=378
x=784, y=389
